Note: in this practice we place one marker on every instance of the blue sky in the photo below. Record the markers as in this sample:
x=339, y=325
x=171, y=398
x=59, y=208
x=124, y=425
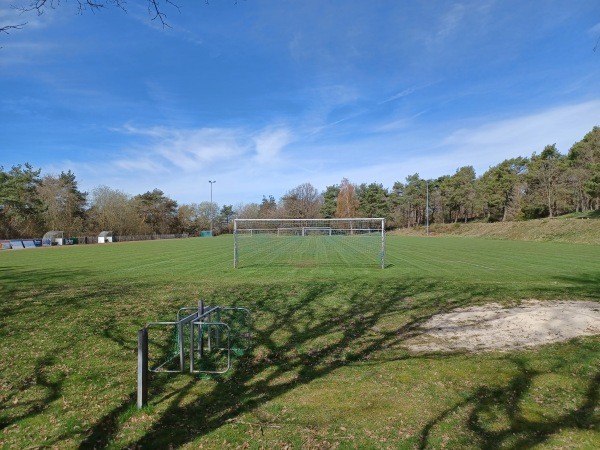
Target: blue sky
x=264, y=95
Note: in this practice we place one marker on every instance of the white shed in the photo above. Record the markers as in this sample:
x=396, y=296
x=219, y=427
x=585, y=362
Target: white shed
x=105, y=237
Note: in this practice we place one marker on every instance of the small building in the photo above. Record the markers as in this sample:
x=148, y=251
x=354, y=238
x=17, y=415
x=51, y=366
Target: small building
x=105, y=237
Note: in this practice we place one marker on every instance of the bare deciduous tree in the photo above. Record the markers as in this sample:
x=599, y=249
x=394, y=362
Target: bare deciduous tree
x=7, y=28
x=156, y=9
x=302, y=202
x=347, y=202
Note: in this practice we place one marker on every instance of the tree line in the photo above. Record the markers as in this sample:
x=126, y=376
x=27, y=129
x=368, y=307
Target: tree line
x=543, y=185
x=30, y=205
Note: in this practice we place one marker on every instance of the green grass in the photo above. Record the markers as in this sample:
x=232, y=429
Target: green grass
x=328, y=368
x=582, y=215
x=309, y=251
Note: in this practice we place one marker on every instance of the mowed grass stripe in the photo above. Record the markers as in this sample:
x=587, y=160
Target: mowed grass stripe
x=306, y=251
x=488, y=259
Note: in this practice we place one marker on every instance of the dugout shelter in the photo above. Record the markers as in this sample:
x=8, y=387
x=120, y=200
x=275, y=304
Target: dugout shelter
x=53, y=238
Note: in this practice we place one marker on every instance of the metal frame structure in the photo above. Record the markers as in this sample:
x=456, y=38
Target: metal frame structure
x=196, y=320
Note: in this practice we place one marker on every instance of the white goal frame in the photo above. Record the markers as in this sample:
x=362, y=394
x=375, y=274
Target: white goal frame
x=347, y=229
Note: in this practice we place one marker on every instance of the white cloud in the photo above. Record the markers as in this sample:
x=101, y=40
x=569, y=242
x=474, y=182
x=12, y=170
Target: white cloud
x=563, y=125
x=196, y=149
x=269, y=144
x=187, y=149
x=480, y=146
x=248, y=165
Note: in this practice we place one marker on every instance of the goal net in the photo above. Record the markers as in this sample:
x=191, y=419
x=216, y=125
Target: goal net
x=309, y=242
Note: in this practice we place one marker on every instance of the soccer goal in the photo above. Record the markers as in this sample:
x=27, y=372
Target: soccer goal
x=309, y=242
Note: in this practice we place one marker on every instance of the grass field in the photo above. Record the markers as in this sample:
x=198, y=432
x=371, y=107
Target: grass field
x=328, y=368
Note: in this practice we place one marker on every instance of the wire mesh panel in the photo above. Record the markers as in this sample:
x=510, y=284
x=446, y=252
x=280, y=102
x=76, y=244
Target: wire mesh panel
x=164, y=343
x=240, y=325
x=213, y=348
x=309, y=242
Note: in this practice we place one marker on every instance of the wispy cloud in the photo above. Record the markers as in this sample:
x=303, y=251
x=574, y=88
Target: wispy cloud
x=397, y=124
x=462, y=22
x=187, y=149
x=170, y=25
x=488, y=145
x=193, y=150
x=176, y=159
x=137, y=165
x=480, y=146
x=24, y=53
x=10, y=15
x=404, y=93
x=524, y=135
x=269, y=143
x=274, y=159
x=450, y=21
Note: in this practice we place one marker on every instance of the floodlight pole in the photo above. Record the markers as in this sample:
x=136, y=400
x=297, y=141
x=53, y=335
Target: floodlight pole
x=211, y=208
x=427, y=207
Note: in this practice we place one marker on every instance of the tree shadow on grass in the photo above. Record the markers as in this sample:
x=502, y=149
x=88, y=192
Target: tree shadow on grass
x=497, y=417
x=50, y=384
x=301, y=338
x=305, y=356
x=583, y=285
x=305, y=331
x=41, y=309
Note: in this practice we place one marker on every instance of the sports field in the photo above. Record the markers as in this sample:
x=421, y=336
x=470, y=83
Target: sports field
x=328, y=368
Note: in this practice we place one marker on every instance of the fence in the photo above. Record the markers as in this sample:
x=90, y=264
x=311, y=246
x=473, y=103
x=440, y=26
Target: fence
x=76, y=240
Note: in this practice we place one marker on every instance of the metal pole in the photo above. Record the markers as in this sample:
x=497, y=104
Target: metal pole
x=181, y=337
x=200, y=330
x=427, y=210
x=235, y=244
x=211, y=208
x=382, y=243
x=142, y=393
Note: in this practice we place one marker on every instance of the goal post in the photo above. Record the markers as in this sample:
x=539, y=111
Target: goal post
x=309, y=242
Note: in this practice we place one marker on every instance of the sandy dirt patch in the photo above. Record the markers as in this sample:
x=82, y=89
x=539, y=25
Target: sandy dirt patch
x=494, y=327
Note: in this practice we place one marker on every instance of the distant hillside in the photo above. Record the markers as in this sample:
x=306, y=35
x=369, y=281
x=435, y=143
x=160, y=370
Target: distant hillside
x=581, y=231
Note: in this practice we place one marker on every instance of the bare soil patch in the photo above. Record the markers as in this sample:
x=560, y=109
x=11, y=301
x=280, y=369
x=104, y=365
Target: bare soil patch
x=497, y=328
